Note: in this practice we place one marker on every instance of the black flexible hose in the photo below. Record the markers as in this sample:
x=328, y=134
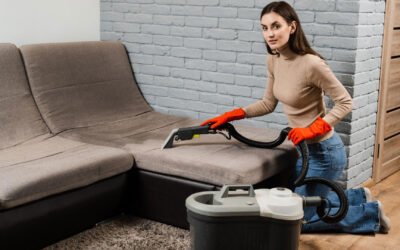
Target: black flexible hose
x=321, y=210
x=272, y=144
x=301, y=180
x=304, y=169
x=233, y=132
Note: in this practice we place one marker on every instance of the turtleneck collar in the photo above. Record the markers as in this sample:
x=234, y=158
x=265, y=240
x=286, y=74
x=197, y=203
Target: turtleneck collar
x=286, y=53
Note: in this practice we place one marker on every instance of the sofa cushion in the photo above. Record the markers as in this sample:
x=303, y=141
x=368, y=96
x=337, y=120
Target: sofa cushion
x=50, y=165
x=210, y=158
x=19, y=117
x=82, y=84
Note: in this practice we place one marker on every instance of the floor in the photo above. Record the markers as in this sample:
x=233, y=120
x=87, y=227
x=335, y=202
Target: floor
x=139, y=234
x=387, y=191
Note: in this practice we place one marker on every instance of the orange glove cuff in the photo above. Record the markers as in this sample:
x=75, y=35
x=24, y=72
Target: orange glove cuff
x=235, y=114
x=232, y=115
x=318, y=127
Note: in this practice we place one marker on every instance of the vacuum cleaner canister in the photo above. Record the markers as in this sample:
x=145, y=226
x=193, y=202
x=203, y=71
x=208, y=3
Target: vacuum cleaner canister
x=237, y=217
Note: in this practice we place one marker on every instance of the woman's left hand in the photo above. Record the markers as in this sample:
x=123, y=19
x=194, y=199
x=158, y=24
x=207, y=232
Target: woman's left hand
x=318, y=127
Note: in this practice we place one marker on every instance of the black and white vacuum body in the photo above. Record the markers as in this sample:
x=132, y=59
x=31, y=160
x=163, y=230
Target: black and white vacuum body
x=238, y=217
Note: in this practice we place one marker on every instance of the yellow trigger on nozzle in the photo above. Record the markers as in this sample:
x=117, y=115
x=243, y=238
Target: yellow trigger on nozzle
x=196, y=136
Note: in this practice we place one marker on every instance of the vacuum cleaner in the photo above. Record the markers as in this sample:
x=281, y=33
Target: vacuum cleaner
x=239, y=217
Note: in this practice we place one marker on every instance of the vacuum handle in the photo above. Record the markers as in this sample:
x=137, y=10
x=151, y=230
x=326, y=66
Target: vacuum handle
x=227, y=188
x=184, y=134
x=188, y=133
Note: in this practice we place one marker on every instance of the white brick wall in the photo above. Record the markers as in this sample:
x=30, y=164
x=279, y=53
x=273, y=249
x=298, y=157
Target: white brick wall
x=199, y=58
x=365, y=89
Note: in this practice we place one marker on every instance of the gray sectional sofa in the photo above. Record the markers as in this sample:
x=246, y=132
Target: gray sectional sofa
x=79, y=144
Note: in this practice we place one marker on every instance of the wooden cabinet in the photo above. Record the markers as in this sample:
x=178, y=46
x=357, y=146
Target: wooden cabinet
x=387, y=144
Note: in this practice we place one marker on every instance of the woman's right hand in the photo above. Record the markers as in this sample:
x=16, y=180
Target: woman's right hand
x=232, y=115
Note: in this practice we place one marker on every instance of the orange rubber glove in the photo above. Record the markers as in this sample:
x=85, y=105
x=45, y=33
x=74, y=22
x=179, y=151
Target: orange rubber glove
x=318, y=127
x=232, y=115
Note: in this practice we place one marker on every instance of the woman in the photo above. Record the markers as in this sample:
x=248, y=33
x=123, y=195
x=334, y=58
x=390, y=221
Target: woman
x=298, y=77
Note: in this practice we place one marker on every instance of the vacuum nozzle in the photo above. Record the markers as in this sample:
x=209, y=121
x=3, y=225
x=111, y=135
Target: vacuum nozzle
x=184, y=134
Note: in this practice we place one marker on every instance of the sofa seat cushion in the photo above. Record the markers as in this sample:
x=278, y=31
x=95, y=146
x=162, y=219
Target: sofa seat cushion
x=210, y=158
x=50, y=165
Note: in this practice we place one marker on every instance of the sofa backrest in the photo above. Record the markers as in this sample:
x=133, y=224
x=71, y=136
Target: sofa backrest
x=19, y=117
x=82, y=84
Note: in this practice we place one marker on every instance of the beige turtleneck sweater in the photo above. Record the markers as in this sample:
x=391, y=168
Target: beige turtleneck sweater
x=299, y=82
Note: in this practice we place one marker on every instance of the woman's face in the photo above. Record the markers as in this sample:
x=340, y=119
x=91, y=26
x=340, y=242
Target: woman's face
x=276, y=30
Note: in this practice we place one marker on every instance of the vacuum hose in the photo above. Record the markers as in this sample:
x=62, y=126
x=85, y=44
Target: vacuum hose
x=301, y=179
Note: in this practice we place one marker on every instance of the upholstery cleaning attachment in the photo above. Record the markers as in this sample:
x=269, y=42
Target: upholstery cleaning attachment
x=188, y=133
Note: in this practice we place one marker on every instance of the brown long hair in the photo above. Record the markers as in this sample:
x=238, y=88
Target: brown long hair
x=297, y=41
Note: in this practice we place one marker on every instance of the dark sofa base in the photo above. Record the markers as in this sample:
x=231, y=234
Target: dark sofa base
x=162, y=198
x=139, y=192
x=44, y=222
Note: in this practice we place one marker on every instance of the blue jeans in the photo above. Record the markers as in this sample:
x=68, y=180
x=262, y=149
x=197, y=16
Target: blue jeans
x=327, y=159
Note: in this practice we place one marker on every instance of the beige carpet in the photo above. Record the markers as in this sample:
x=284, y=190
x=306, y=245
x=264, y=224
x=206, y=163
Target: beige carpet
x=127, y=232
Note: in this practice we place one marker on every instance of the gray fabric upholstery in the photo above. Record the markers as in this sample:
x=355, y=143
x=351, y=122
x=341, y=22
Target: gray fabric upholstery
x=47, y=166
x=210, y=158
x=87, y=90
x=19, y=117
x=33, y=163
x=82, y=84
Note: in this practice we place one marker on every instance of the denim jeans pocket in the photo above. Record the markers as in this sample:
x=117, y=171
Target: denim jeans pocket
x=328, y=155
x=337, y=153
x=338, y=158
x=320, y=160
x=327, y=159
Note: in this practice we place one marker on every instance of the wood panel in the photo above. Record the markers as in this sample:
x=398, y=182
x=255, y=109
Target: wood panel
x=391, y=148
x=396, y=14
x=391, y=166
x=396, y=43
x=392, y=124
x=393, y=97
x=394, y=71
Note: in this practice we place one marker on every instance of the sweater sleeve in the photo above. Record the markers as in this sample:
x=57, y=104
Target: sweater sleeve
x=268, y=103
x=322, y=77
